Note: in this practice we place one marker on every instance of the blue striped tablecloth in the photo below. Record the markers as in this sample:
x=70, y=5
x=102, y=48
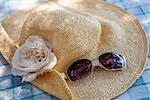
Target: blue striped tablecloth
x=11, y=87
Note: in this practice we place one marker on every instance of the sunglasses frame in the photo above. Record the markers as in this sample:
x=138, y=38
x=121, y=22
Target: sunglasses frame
x=101, y=66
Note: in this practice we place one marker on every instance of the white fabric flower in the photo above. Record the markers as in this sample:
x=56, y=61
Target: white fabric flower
x=32, y=56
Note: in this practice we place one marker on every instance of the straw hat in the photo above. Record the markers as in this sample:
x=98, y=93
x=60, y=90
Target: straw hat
x=80, y=29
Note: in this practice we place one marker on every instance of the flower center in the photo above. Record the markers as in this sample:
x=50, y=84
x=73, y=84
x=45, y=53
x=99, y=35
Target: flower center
x=36, y=54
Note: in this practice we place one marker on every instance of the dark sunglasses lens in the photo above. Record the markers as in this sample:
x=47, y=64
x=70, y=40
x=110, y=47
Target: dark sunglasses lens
x=79, y=69
x=112, y=61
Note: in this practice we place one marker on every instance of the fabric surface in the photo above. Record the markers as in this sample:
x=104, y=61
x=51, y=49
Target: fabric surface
x=12, y=88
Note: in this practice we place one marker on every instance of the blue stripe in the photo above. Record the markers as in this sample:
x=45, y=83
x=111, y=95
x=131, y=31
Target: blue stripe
x=147, y=83
x=147, y=98
x=146, y=70
x=51, y=97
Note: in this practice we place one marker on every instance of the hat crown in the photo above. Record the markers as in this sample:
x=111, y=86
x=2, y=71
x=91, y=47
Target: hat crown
x=73, y=33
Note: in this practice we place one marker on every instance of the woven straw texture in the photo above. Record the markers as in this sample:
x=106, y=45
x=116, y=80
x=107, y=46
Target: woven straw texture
x=87, y=34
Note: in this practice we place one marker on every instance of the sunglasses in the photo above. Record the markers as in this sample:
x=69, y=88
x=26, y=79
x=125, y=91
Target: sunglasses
x=110, y=61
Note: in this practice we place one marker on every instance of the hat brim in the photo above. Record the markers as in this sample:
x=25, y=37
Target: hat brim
x=131, y=42
x=121, y=32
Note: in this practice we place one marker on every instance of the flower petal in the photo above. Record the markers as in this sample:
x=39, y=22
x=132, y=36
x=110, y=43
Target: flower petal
x=15, y=72
x=52, y=61
x=29, y=77
x=33, y=38
x=48, y=45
